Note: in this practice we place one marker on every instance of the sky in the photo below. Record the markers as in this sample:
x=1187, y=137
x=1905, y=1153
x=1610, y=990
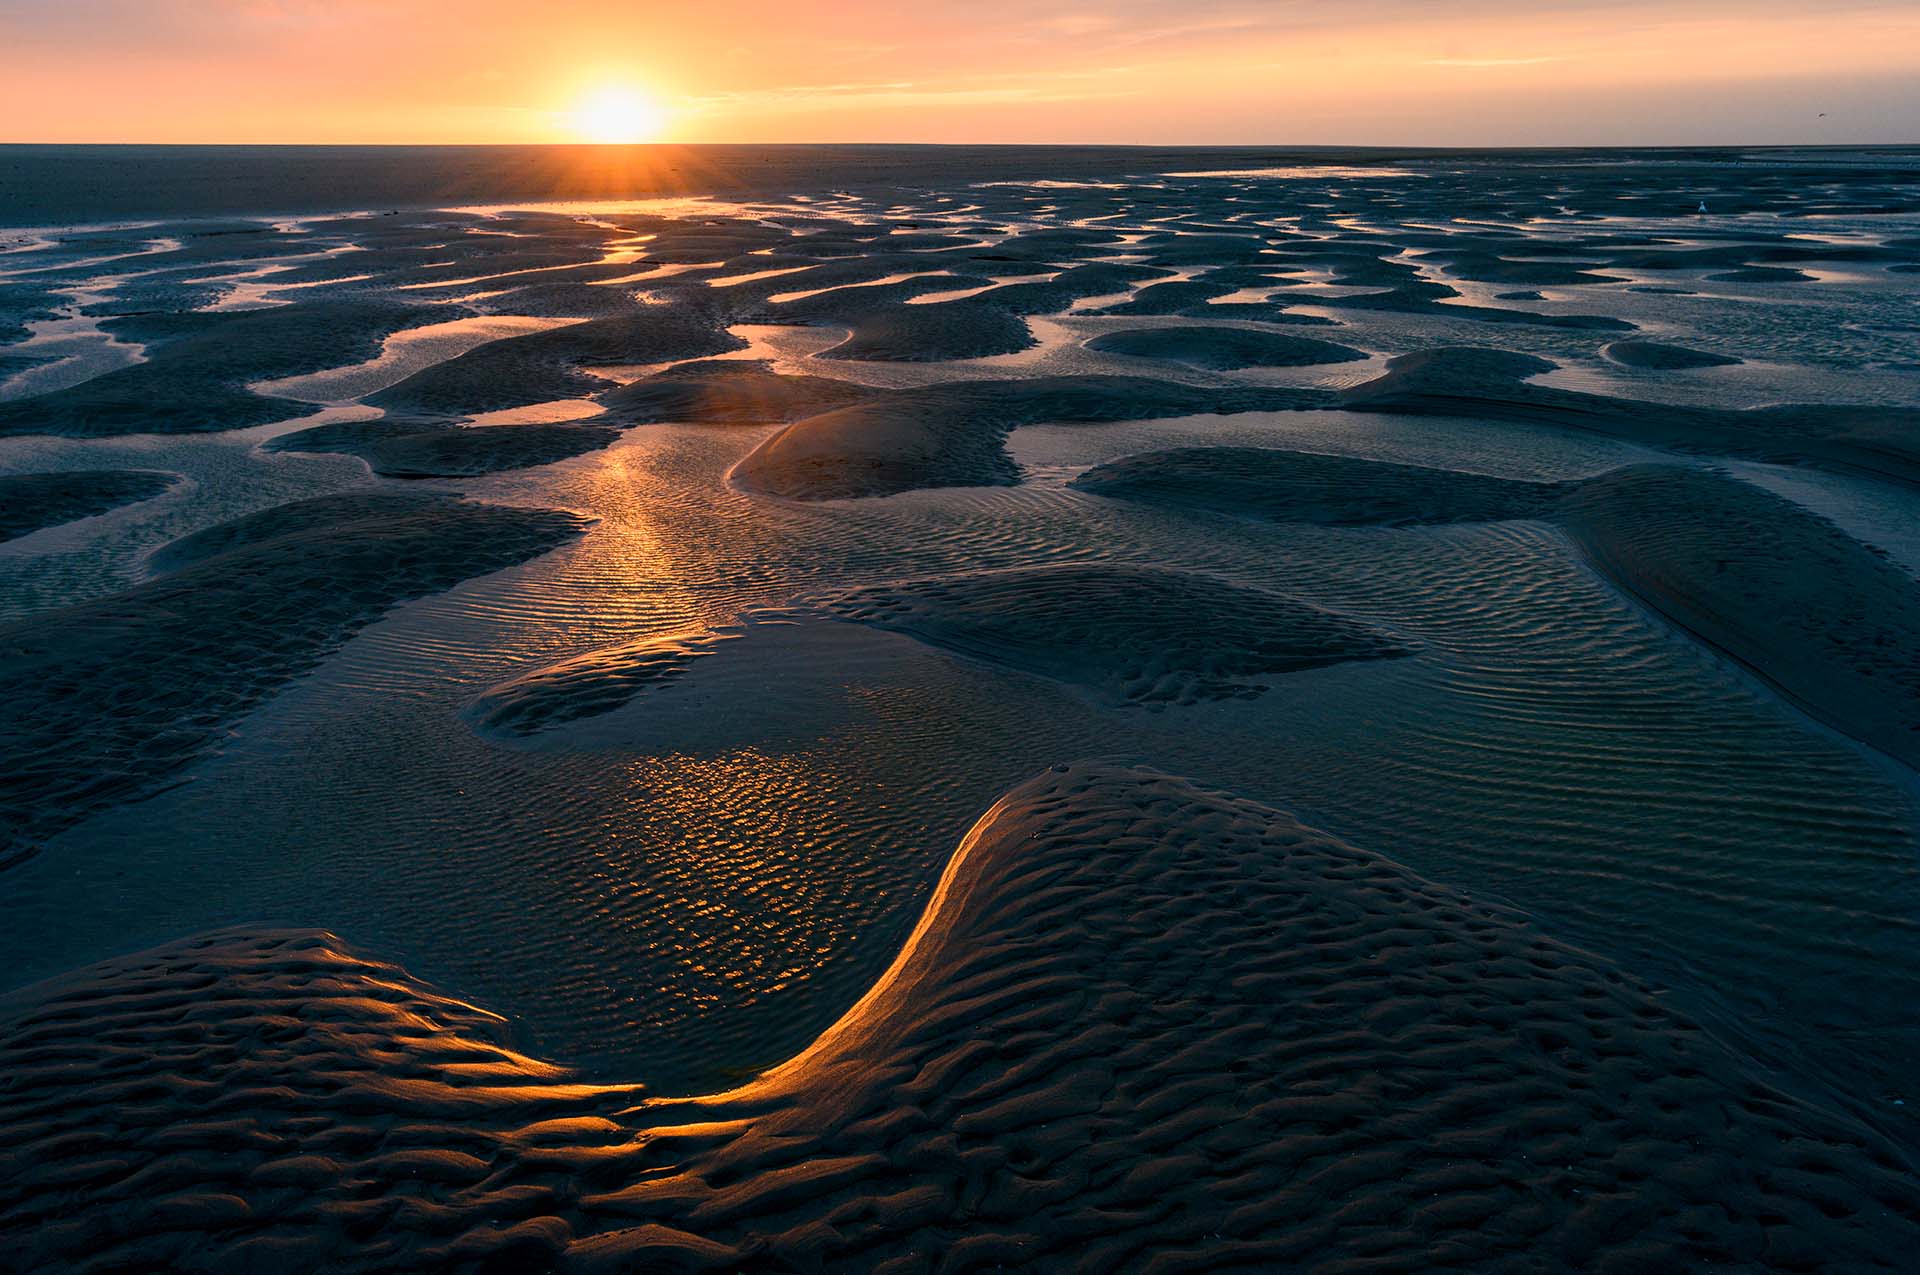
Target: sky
x=1279, y=72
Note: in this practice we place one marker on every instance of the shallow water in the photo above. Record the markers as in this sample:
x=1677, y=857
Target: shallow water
x=691, y=887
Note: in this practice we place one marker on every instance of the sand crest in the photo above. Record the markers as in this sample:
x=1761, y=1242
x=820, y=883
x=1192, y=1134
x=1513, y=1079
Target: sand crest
x=1140, y=1024
x=1656, y=357
x=589, y=684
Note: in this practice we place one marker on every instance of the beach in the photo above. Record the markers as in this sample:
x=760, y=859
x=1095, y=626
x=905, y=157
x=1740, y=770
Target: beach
x=900, y=708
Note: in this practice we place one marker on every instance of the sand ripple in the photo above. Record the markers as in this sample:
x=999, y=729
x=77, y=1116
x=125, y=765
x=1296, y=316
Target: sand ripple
x=1132, y=635
x=107, y=701
x=1140, y=1024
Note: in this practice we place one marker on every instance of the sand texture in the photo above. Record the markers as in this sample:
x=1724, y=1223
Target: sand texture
x=104, y=702
x=933, y=332
x=1223, y=349
x=1549, y=541
x=587, y=685
x=1286, y=486
x=1136, y=636
x=952, y=434
x=198, y=365
x=1657, y=357
x=1140, y=1025
x=728, y=392
x=1834, y=625
x=1491, y=384
x=30, y=502
x=550, y=365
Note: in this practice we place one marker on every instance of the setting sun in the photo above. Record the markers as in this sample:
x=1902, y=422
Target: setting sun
x=616, y=115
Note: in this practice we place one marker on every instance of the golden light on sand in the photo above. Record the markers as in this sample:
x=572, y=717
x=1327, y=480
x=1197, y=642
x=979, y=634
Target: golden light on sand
x=617, y=114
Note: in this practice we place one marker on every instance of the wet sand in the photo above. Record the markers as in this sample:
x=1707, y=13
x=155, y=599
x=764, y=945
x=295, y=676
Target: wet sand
x=1136, y=1018
x=497, y=706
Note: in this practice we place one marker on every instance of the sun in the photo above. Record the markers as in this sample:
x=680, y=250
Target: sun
x=616, y=115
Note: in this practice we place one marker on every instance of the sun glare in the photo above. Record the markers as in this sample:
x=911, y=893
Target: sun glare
x=616, y=115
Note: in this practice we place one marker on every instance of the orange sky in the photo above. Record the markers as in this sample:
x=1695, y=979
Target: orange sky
x=1149, y=71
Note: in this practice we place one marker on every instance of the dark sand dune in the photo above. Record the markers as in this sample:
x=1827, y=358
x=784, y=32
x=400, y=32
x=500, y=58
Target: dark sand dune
x=933, y=332
x=1131, y=635
x=463, y=451
x=355, y=438
x=426, y=447
x=23, y=302
x=30, y=502
x=1654, y=356
x=1168, y=298
x=1051, y=296
x=1259, y=312
x=1828, y=621
x=108, y=701
x=1435, y=301
x=1492, y=385
x=728, y=392
x=275, y=1102
x=561, y=301
x=1762, y=274
x=1288, y=486
x=1189, y=248
x=1479, y=266
x=1140, y=1025
x=198, y=365
x=1223, y=349
x=952, y=434
x=1403, y=290
x=544, y=366
x=588, y=685
x=847, y=305
x=840, y=292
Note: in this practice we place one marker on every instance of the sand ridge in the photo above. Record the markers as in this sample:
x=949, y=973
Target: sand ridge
x=1827, y=620
x=544, y=366
x=1289, y=486
x=952, y=434
x=197, y=367
x=106, y=702
x=1141, y=1024
x=1223, y=349
x=1359, y=1068
x=589, y=684
x=1492, y=385
x=1138, y=636
x=32, y=502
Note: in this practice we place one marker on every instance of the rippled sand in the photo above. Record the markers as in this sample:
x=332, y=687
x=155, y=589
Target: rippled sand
x=616, y=617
